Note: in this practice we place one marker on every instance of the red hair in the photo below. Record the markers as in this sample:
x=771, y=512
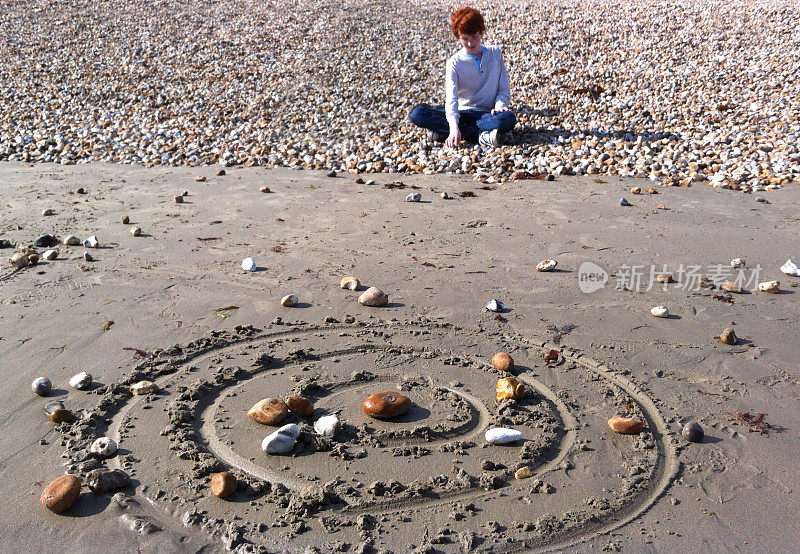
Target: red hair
x=467, y=21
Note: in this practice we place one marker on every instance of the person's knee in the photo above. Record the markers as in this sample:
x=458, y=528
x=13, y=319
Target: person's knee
x=419, y=114
x=507, y=120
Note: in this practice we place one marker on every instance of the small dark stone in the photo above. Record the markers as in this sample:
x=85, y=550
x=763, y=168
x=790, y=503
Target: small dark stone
x=551, y=177
x=330, y=174
x=42, y=386
x=46, y=241
x=5, y=244
x=102, y=480
x=692, y=432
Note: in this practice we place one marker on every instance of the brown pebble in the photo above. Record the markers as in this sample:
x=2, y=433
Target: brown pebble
x=80, y=191
x=269, y=411
x=126, y=219
x=57, y=413
x=265, y=189
x=636, y=190
x=359, y=181
x=386, y=404
x=523, y=473
x=221, y=172
x=728, y=286
x=651, y=191
x=625, y=425
x=728, y=336
x=509, y=388
x=300, y=405
x=33, y=259
x=199, y=178
x=61, y=493
x=664, y=278
x=178, y=198
x=223, y=484
x=503, y=362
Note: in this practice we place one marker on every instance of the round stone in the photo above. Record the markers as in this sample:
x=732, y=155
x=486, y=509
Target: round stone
x=270, y=411
x=373, y=296
x=300, y=405
x=386, y=404
x=327, y=425
x=42, y=386
x=104, y=447
x=281, y=441
x=61, y=493
x=625, y=425
x=502, y=435
x=81, y=381
x=102, y=480
x=57, y=413
x=728, y=336
x=223, y=484
x=503, y=362
x=692, y=432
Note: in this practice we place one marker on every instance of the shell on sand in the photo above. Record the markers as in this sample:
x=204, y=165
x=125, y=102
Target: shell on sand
x=350, y=282
x=773, y=287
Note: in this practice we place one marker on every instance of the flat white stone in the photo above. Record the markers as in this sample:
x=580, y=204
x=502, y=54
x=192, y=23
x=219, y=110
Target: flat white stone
x=503, y=435
x=327, y=425
x=91, y=242
x=249, y=264
x=81, y=381
x=282, y=440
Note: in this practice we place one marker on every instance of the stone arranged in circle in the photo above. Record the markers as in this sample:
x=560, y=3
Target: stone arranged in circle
x=81, y=381
x=386, y=404
x=625, y=425
x=223, y=484
x=503, y=362
x=61, y=493
x=143, y=388
x=509, y=388
x=282, y=440
x=57, y=413
x=373, y=296
x=270, y=411
x=327, y=425
x=104, y=447
x=502, y=435
x=102, y=480
x=300, y=405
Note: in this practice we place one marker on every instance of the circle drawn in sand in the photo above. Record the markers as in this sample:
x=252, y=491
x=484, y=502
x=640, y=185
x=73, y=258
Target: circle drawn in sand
x=426, y=478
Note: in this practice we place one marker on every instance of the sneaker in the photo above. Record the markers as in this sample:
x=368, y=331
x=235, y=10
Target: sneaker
x=433, y=136
x=490, y=138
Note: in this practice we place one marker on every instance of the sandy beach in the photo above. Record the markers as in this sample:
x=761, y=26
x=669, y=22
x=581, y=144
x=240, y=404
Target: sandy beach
x=184, y=187
x=429, y=481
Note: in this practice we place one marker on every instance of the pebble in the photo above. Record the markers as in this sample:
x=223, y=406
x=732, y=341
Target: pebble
x=660, y=311
x=91, y=242
x=142, y=388
x=223, y=484
x=249, y=264
x=503, y=362
x=692, y=432
x=728, y=336
x=370, y=182
x=103, y=447
x=101, y=481
x=71, y=240
x=42, y=386
x=50, y=254
x=327, y=425
x=221, y=173
x=270, y=411
x=386, y=404
x=664, y=278
x=199, y=178
x=523, y=473
x=494, y=306
x=373, y=296
x=61, y=493
x=282, y=440
x=186, y=192
x=80, y=190
x=737, y=263
x=126, y=219
x=414, y=197
x=19, y=260
x=33, y=259
x=791, y=268
x=636, y=190
x=88, y=257
x=48, y=211
x=502, y=435
x=330, y=174
x=762, y=200
x=445, y=196
x=728, y=286
x=350, y=282
x=300, y=405
x=81, y=381
x=509, y=387
x=289, y=300
x=624, y=202
x=178, y=198
x=4, y=243
x=136, y=231
x=772, y=287
x=546, y=265
x=45, y=241
x=264, y=189
x=57, y=413
x=625, y=425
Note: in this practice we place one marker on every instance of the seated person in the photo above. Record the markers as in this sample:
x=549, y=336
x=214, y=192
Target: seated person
x=476, y=90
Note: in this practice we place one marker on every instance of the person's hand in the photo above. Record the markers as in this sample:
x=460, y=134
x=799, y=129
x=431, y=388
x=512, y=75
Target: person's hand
x=500, y=110
x=454, y=139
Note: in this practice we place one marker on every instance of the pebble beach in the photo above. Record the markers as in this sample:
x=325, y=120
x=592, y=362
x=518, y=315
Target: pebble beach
x=679, y=93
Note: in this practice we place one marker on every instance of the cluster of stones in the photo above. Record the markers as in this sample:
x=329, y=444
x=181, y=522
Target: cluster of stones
x=596, y=88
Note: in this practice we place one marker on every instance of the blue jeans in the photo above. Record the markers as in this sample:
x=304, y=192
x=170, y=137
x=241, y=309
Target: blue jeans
x=471, y=123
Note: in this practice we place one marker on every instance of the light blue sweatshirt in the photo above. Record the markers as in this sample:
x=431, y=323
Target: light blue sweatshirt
x=475, y=86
